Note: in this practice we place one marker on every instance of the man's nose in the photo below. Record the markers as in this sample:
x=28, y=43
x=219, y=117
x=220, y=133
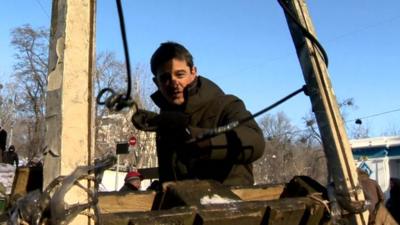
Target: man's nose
x=174, y=80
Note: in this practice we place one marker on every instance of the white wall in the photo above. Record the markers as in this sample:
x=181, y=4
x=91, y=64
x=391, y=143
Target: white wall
x=380, y=173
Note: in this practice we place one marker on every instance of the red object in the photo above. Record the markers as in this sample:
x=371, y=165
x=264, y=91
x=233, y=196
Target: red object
x=132, y=175
x=132, y=141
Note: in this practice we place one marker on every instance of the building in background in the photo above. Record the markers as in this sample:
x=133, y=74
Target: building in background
x=117, y=128
x=381, y=155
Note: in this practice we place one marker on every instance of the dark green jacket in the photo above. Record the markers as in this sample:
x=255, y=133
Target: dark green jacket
x=227, y=157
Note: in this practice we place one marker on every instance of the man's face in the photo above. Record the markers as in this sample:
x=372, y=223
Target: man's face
x=172, y=78
x=136, y=183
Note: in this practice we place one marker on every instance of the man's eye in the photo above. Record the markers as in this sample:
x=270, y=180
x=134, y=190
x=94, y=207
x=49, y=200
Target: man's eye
x=180, y=74
x=163, y=78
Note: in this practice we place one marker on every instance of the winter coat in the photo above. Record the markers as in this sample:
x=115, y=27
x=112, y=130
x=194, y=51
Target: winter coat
x=227, y=157
x=128, y=187
x=11, y=157
x=3, y=139
x=393, y=204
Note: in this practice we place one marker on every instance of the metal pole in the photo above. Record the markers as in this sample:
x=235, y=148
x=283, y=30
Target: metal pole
x=11, y=134
x=12, y=121
x=116, y=174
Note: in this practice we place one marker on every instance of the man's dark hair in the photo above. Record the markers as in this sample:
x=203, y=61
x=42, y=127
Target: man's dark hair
x=167, y=51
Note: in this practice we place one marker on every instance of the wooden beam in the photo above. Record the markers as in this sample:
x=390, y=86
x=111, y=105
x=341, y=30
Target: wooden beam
x=137, y=201
x=259, y=193
x=276, y=212
x=183, y=216
x=340, y=160
x=195, y=193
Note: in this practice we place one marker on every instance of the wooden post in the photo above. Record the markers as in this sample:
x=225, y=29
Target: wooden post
x=70, y=102
x=341, y=166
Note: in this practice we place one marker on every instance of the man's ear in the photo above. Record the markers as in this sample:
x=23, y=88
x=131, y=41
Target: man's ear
x=155, y=81
x=194, y=70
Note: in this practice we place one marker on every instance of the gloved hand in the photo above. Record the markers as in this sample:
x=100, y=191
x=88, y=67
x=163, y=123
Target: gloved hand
x=170, y=122
x=167, y=123
x=172, y=128
x=142, y=120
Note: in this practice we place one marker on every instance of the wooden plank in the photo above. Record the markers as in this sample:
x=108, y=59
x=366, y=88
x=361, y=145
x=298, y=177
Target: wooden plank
x=20, y=183
x=193, y=192
x=181, y=216
x=259, y=193
x=236, y=213
x=290, y=211
x=314, y=213
x=285, y=211
x=26, y=179
x=114, y=202
x=302, y=186
x=383, y=216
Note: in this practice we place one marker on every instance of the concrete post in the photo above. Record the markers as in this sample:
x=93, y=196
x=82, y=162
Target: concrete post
x=70, y=102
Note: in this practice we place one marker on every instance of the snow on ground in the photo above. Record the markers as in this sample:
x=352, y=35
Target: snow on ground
x=7, y=173
x=215, y=199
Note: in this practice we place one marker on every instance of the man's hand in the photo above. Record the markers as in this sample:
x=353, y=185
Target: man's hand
x=142, y=118
x=173, y=130
x=170, y=122
x=166, y=123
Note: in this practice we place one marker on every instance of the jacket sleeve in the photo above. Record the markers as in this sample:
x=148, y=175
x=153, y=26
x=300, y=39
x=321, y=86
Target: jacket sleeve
x=243, y=144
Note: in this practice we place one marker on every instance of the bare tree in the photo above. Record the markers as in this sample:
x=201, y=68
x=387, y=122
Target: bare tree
x=392, y=130
x=278, y=127
x=6, y=106
x=30, y=73
x=359, y=131
x=30, y=84
x=110, y=73
x=311, y=134
x=117, y=127
x=285, y=154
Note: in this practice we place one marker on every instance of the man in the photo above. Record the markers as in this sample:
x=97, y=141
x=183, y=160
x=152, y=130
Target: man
x=189, y=106
x=11, y=157
x=133, y=181
x=3, y=140
x=393, y=203
x=372, y=192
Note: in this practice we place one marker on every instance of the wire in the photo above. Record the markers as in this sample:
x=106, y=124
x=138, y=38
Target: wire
x=365, y=117
x=305, y=32
x=374, y=115
x=42, y=8
x=117, y=101
x=126, y=52
x=222, y=129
